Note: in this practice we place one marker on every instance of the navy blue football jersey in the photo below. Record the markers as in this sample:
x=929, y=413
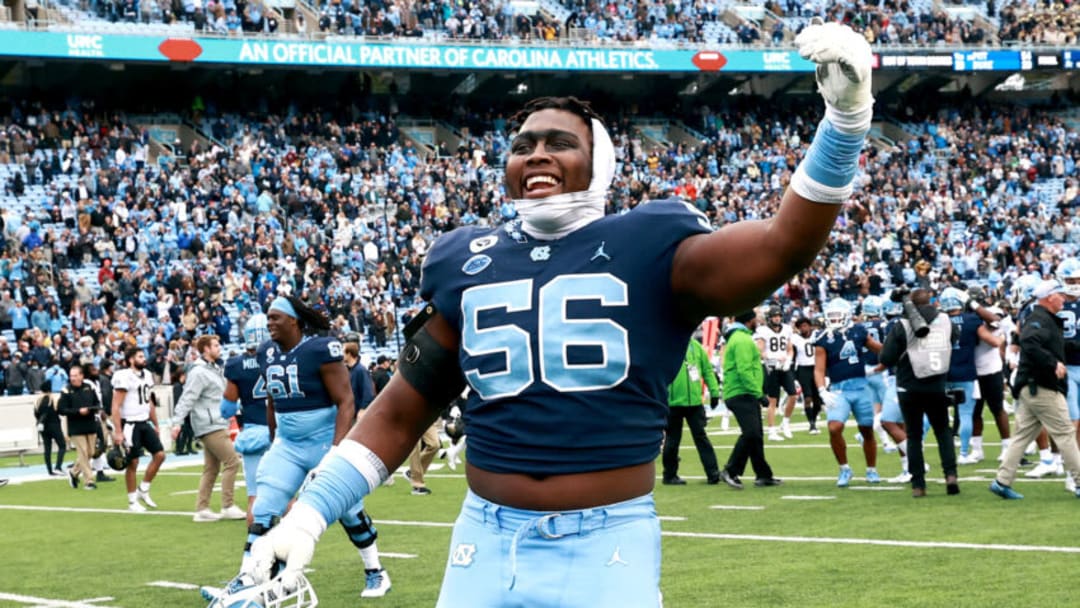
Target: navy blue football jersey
x=876, y=330
x=244, y=371
x=569, y=344
x=843, y=360
x=1069, y=315
x=292, y=378
x=962, y=360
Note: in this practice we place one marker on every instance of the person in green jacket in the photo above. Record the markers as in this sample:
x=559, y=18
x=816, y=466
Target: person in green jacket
x=743, y=380
x=686, y=403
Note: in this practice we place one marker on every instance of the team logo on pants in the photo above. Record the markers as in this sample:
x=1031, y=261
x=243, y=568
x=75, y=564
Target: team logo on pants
x=462, y=557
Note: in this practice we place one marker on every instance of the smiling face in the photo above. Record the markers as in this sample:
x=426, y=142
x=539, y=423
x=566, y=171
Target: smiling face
x=551, y=154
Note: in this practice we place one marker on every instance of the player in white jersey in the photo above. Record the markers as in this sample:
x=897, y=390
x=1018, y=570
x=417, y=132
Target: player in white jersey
x=803, y=343
x=778, y=353
x=135, y=420
x=990, y=365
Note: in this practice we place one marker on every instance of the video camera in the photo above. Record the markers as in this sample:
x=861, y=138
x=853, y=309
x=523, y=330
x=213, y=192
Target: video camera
x=902, y=294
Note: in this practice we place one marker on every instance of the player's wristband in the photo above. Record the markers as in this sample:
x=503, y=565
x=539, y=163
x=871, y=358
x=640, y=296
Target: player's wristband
x=347, y=474
x=826, y=173
x=229, y=408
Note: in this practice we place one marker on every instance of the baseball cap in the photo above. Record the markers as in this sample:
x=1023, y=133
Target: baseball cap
x=1047, y=288
x=745, y=316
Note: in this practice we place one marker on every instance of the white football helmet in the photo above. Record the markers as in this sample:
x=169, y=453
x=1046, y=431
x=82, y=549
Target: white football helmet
x=255, y=331
x=837, y=314
x=1068, y=272
x=1023, y=289
x=872, y=307
x=950, y=300
x=271, y=594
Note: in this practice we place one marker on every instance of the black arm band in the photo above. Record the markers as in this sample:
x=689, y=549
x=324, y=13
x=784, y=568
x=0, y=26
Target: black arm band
x=430, y=368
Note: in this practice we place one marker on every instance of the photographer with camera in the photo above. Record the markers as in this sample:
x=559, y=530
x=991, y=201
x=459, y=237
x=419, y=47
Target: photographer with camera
x=79, y=402
x=919, y=347
x=1040, y=388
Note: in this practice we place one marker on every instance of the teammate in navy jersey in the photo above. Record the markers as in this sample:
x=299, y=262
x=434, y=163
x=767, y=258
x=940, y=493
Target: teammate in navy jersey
x=309, y=408
x=568, y=326
x=962, y=372
x=242, y=374
x=1069, y=275
x=838, y=357
x=875, y=328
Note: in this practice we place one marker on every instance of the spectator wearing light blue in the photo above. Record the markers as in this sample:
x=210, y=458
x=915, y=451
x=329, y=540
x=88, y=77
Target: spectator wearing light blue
x=57, y=377
x=20, y=318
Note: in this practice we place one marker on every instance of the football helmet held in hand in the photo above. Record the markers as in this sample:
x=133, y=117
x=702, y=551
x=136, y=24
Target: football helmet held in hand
x=118, y=457
x=271, y=594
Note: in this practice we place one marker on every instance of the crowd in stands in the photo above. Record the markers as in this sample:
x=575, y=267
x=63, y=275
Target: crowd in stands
x=885, y=22
x=1052, y=22
x=104, y=246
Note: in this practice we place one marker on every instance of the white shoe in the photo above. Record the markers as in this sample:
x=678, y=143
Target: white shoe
x=814, y=431
x=969, y=459
x=1041, y=470
x=453, y=455
x=145, y=497
x=1030, y=449
x=1070, y=484
x=135, y=507
x=376, y=584
x=786, y=430
x=904, y=477
x=206, y=516
x=389, y=480
x=233, y=512
x=725, y=423
x=889, y=447
x=978, y=453
x=1059, y=469
x=774, y=436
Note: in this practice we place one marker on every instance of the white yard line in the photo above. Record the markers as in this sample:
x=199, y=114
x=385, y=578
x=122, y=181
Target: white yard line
x=878, y=488
x=172, y=585
x=398, y=555
x=738, y=507
x=806, y=497
x=49, y=603
x=879, y=542
x=670, y=518
x=699, y=535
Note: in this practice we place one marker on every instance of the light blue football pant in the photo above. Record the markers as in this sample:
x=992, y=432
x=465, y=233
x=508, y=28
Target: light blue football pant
x=965, y=410
x=1073, y=398
x=890, y=406
x=502, y=557
x=251, y=471
x=282, y=472
x=853, y=396
x=877, y=387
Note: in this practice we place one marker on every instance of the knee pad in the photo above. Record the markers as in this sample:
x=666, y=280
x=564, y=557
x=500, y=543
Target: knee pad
x=361, y=530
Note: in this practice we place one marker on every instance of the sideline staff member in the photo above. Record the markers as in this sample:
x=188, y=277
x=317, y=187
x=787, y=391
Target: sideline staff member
x=743, y=379
x=685, y=403
x=1040, y=387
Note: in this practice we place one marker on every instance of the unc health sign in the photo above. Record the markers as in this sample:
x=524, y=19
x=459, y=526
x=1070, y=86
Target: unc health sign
x=418, y=55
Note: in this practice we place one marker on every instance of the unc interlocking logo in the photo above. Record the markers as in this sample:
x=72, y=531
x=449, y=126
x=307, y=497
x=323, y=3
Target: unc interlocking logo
x=540, y=254
x=463, y=555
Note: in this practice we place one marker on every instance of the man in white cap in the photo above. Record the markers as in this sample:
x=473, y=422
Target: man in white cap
x=1040, y=388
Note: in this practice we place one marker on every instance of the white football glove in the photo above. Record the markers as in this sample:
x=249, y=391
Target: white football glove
x=843, y=72
x=786, y=366
x=292, y=541
x=828, y=398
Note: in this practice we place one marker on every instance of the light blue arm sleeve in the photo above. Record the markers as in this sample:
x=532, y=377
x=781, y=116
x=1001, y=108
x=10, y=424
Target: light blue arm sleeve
x=337, y=487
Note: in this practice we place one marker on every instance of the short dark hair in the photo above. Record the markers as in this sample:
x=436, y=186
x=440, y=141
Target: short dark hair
x=570, y=104
x=130, y=352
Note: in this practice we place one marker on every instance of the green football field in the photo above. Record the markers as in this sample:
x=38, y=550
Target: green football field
x=806, y=543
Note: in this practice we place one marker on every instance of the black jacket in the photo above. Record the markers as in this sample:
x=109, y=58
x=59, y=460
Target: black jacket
x=892, y=351
x=1042, y=347
x=72, y=399
x=45, y=413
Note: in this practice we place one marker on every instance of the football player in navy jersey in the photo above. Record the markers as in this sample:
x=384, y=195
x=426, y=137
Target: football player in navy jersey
x=847, y=393
x=242, y=375
x=874, y=324
x=892, y=418
x=309, y=408
x=962, y=373
x=567, y=326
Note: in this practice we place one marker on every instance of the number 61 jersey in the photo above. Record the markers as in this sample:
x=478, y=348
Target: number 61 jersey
x=568, y=344
x=302, y=407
